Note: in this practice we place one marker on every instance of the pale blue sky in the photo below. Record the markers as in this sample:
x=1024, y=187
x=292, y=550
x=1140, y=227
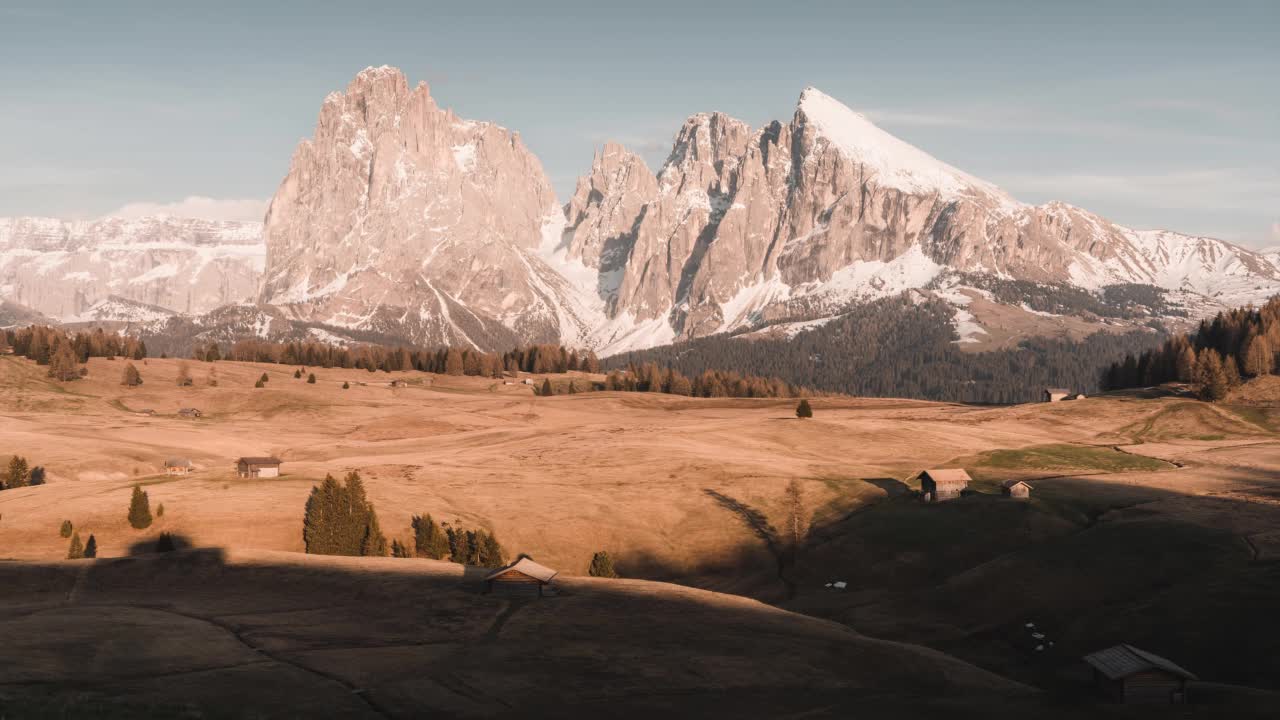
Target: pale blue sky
x=1155, y=114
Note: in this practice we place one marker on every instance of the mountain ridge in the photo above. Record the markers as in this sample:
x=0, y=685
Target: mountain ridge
x=400, y=219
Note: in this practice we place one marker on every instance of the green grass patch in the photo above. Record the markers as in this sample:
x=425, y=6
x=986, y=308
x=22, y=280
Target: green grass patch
x=1068, y=457
x=1254, y=415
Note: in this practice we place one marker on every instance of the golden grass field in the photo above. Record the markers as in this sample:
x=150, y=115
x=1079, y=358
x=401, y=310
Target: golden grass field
x=667, y=485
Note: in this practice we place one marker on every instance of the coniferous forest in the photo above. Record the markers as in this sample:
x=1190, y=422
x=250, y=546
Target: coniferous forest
x=899, y=348
x=1223, y=352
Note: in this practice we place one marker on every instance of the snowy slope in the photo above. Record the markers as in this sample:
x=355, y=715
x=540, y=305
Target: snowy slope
x=64, y=269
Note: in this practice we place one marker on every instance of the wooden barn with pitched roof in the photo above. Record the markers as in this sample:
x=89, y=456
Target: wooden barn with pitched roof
x=1128, y=674
x=941, y=484
x=523, y=577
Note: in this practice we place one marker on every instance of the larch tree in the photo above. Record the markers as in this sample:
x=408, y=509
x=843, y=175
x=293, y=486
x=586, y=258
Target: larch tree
x=91, y=547
x=1259, y=359
x=63, y=365
x=131, y=377
x=1210, y=376
x=453, y=362
x=65, y=530
x=547, y=391
x=17, y=474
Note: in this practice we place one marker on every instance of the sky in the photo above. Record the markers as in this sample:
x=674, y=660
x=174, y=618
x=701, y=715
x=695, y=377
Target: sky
x=1153, y=114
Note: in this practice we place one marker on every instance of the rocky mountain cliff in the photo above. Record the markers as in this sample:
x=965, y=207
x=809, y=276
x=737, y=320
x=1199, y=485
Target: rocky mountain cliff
x=399, y=220
x=65, y=269
x=800, y=221
x=402, y=218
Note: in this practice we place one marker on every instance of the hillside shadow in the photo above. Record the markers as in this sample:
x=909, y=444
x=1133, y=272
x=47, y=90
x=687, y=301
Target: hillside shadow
x=891, y=486
x=753, y=519
x=164, y=543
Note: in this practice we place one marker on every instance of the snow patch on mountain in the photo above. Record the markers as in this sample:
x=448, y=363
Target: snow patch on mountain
x=897, y=164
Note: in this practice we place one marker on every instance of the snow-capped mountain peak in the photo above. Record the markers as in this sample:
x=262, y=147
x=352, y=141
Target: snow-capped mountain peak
x=896, y=163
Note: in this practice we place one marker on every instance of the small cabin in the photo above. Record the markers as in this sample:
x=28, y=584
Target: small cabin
x=258, y=467
x=1016, y=489
x=190, y=413
x=177, y=466
x=399, y=384
x=524, y=578
x=939, y=485
x=1057, y=394
x=1129, y=675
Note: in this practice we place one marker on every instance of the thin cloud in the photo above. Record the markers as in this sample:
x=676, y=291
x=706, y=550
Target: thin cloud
x=1018, y=118
x=197, y=206
x=1214, y=189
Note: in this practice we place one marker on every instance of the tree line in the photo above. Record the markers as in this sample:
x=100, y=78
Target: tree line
x=65, y=354
x=442, y=360
x=900, y=347
x=1219, y=355
x=20, y=474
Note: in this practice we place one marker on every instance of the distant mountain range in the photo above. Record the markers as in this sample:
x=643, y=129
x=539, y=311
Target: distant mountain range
x=398, y=219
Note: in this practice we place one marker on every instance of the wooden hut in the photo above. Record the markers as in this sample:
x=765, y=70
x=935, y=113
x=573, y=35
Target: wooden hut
x=1016, y=489
x=258, y=467
x=1056, y=394
x=177, y=466
x=190, y=412
x=939, y=485
x=524, y=577
x=1127, y=674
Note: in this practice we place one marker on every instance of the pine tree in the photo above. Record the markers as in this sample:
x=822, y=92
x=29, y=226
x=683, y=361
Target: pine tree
x=76, y=550
x=263, y=379
x=212, y=379
x=546, y=388
x=321, y=520
x=803, y=410
x=91, y=547
x=462, y=546
x=346, y=385
x=340, y=520
x=65, y=530
x=573, y=389
x=428, y=540
x=297, y=374
x=374, y=543
x=488, y=551
x=131, y=376
x=160, y=510
x=17, y=474
x=311, y=379
x=602, y=566
x=139, y=509
x=36, y=476
x=399, y=550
